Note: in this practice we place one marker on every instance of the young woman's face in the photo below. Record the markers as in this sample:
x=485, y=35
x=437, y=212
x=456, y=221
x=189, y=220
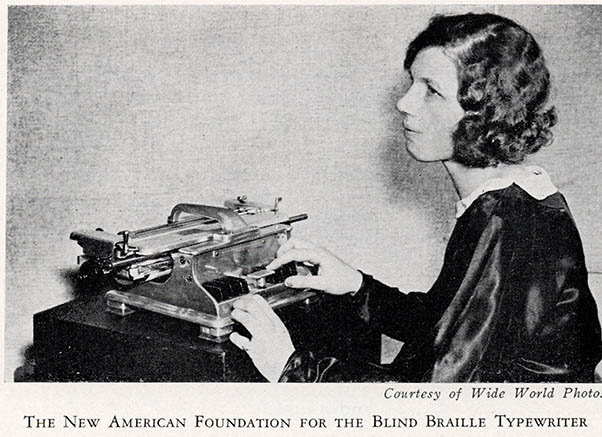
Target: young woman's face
x=431, y=107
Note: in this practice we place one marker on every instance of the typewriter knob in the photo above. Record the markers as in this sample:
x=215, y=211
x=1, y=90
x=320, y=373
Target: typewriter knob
x=126, y=240
x=124, y=246
x=277, y=203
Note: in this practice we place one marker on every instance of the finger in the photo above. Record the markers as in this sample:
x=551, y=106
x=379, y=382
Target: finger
x=248, y=321
x=251, y=305
x=268, y=311
x=299, y=281
x=294, y=243
x=256, y=307
x=240, y=341
x=274, y=264
x=288, y=245
x=312, y=255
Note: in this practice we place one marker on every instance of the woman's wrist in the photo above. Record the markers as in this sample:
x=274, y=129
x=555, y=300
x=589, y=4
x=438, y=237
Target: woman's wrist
x=283, y=364
x=356, y=283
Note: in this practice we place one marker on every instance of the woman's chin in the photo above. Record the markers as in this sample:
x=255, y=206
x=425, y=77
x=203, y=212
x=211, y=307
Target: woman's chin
x=414, y=152
x=427, y=154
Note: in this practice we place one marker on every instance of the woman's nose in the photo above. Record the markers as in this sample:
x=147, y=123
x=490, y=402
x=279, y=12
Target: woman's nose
x=407, y=104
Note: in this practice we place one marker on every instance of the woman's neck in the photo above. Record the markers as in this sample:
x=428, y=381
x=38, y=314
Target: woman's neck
x=468, y=179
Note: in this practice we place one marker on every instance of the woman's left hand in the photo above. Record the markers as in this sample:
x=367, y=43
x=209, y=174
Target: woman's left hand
x=270, y=345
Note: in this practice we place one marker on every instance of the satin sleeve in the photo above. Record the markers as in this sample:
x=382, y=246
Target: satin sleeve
x=304, y=366
x=402, y=316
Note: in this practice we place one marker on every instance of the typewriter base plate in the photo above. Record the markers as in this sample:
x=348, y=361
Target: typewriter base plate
x=82, y=341
x=212, y=328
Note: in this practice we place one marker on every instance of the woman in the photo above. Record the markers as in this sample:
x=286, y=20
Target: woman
x=512, y=301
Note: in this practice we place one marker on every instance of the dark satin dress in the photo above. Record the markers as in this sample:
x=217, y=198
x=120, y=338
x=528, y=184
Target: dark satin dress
x=511, y=304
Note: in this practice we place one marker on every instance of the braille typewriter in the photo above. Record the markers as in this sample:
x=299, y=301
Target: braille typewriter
x=197, y=264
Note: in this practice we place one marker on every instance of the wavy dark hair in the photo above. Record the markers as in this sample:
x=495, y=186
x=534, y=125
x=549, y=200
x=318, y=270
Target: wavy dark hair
x=503, y=87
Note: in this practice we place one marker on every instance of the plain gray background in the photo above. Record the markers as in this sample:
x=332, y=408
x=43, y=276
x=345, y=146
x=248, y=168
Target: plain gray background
x=115, y=114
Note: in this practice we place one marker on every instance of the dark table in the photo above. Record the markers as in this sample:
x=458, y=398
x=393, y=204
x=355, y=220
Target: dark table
x=81, y=341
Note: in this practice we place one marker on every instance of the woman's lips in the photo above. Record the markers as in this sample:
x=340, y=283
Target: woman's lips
x=411, y=130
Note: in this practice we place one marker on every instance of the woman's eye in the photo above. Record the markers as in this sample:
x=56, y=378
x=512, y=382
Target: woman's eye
x=432, y=91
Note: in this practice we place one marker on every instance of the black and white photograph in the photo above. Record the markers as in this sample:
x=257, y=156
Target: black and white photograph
x=398, y=141
x=298, y=193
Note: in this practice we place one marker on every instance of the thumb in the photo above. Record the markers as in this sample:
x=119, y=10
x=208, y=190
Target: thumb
x=240, y=341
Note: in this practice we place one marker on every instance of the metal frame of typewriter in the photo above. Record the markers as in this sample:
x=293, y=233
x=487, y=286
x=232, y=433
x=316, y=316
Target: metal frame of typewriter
x=195, y=268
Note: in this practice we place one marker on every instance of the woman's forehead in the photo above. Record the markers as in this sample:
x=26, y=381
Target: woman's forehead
x=434, y=64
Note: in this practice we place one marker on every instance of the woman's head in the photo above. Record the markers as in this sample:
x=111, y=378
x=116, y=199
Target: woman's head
x=502, y=87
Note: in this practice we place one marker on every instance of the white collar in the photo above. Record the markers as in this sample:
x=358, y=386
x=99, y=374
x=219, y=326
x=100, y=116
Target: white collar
x=537, y=183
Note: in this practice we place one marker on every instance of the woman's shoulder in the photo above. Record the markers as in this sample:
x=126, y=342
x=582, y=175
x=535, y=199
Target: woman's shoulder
x=522, y=214
x=514, y=186
x=515, y=201
x=518, y=211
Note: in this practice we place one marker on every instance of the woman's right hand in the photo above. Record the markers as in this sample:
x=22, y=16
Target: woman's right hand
x=334, y=276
